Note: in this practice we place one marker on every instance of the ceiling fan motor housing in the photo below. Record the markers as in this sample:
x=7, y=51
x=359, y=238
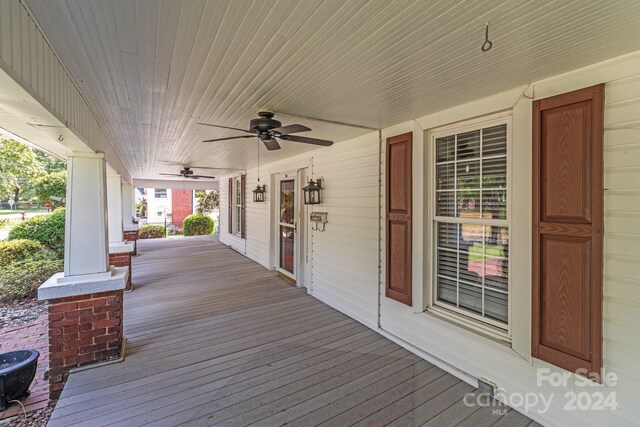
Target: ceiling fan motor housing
x=264, y=123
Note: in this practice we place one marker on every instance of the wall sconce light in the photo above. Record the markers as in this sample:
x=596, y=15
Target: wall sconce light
x=312, y=192
x=259, y=193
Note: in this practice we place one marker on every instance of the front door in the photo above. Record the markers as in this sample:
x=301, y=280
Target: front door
x=287, y=208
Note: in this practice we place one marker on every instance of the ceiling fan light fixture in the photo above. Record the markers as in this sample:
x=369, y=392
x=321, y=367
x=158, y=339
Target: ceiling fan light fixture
x=267, y=129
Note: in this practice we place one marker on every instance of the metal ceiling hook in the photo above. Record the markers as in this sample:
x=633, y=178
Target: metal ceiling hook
x=487, y=45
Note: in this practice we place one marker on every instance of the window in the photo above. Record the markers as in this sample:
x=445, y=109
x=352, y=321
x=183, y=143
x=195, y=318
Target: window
x=236, y=213
x=160, y=193
x=238, y=206
x=471, y=244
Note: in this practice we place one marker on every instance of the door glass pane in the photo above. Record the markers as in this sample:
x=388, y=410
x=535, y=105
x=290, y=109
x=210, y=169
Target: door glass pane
x=286, y=248
x=287, y=199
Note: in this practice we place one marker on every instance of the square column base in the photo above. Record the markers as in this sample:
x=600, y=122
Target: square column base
x=130, y=234
x=84, y=328
x=120, y=256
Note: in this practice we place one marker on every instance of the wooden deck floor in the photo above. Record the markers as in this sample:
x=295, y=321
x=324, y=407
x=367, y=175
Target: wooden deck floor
x=214, y=338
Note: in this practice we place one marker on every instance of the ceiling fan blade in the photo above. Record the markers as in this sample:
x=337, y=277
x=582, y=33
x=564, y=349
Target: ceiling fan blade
x=231, y=137
x=307, y=140
x=170, y=174
x=271, y=144
x=225, y=127
x=202, y=176
x=286, y=130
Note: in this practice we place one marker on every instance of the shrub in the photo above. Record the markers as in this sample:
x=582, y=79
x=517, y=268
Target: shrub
x=21, y=280
x=20, y=250
x=151, y=232
x=46, y=229
x=197, y=225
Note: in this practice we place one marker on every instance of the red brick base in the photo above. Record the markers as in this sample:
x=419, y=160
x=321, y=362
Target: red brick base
x=132, y=236
x=83, y=330
x=122, y=259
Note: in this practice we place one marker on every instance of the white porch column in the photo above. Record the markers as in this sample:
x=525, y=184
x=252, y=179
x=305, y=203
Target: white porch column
x=114, y=207
x=88, y=296
x=128, y=205
x=119, y=250
x=86, y=248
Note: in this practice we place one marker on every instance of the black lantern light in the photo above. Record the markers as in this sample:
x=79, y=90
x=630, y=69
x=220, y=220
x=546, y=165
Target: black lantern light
x=258, y=193
x=312, y=192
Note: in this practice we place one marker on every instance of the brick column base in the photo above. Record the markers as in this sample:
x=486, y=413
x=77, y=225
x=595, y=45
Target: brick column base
x=122, y=259
x=83, y=330
x=132, y=236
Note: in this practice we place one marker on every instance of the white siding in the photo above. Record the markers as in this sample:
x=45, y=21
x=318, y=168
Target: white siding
x=258, y=225
x=344, y=258
x=622, y=238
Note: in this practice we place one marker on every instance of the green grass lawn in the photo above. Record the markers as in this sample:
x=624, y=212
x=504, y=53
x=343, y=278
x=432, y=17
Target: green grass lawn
x=8, y=211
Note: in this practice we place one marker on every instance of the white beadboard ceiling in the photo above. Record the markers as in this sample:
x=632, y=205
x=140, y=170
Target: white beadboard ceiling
x=152, y=69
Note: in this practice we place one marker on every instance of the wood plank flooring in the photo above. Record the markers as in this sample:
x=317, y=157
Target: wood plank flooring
x=215, y=339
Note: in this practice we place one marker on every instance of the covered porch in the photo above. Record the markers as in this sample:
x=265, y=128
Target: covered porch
x=478, y=222
x=214, y=338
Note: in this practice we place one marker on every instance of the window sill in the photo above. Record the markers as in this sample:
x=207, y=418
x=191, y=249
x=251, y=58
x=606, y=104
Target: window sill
x=486, y=331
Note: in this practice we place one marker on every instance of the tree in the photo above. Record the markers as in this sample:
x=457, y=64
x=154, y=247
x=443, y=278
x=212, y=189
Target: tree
x=207, y=201
x=18, y=164
x=51, y=184
x=49, y=163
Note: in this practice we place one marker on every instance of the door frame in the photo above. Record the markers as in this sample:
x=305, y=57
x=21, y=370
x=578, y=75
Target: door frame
x=302, y=233
x=285, y=176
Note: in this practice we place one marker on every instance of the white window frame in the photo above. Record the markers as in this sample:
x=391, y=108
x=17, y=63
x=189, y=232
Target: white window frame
x=459, y=316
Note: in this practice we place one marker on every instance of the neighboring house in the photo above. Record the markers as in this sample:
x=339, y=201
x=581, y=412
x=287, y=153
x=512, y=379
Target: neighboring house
x=177, y=203
x=158, y=204
x=182, y=205
x=454, y=272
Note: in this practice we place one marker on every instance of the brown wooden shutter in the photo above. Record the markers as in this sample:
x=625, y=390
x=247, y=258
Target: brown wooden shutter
x=243, y=205
x=398, y=194
x=568, y=229
x=230, y=214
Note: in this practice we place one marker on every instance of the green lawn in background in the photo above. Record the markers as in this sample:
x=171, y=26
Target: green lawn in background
x=16, y=211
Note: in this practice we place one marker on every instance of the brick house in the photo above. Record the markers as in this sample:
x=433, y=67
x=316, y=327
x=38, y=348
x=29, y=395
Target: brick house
x=181, y=205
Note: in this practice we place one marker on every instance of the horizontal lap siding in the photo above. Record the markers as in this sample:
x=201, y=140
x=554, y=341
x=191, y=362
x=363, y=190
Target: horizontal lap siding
x=258, y=226
x=622, y=239
x=345, y=256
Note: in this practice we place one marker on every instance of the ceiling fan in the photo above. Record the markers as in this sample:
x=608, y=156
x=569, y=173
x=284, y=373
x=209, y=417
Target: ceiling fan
x=186, y=172
x=267, y=129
